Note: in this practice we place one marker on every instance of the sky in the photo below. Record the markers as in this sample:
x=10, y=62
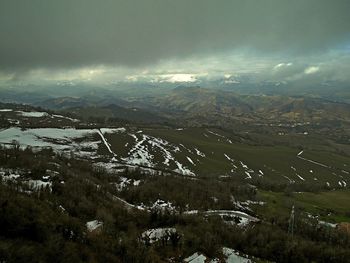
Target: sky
x=173, y=41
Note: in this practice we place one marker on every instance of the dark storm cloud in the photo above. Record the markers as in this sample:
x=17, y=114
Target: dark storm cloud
x=71, y=33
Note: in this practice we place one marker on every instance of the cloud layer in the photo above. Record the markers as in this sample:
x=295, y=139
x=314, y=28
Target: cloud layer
x=133, y=33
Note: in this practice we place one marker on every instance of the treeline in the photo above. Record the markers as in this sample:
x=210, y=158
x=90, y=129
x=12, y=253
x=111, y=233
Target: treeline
x=50, y=225
x=188, y=193
x=289, y=188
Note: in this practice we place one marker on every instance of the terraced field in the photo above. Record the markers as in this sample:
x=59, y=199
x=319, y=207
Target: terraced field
x=210, y=152
x=191, y=152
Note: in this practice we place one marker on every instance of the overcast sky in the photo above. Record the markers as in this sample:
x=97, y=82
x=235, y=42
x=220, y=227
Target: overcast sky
x=173, y=40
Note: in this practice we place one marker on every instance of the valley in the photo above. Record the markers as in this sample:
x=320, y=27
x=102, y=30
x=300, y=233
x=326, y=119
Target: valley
x=174, y=171
x=161, y=131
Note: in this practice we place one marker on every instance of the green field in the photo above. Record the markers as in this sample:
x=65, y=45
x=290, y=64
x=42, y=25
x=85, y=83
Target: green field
x=331, y=206
x=278, y=163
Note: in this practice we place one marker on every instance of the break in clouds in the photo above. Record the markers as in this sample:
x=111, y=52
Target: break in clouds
x=164, y=40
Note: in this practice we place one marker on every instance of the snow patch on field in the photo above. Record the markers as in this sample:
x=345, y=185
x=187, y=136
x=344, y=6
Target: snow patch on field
x=126, y=204
x=216, y=134
x=290, y=180
x=244, y=165
x=321, y=222
x=38, y=114
x=327, y=224
x=300, y=177
x=311, y=161
x=190, y=160
x=93, y=225
x=232, y=162
x=142, y=151
x=64, y=117
x=8, y=175
x=38, y=184
x=161, y=145
x=161, y=205
x=196, y=258
x=233, y=217
x=199, y=153
x=112, y=130
x=108, y=146
x=58, y=139
x=187, y=149
x=228, y=158
x=32, y=114
x=139, y=154
x=156, y=234
x=250, y=202
x=247, y=171
x=342, y=183
x=232, y=256
x=183, y=170
x=248, y=175
x=123, y=183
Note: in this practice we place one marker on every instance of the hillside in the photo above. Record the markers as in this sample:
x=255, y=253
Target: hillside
x=196, y=101
x=174, y=185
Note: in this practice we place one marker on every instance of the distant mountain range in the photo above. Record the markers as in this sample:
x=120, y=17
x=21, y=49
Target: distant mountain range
x=194, y=104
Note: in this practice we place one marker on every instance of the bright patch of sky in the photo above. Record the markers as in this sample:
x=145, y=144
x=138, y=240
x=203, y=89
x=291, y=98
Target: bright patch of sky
x=311, y=70
x=333, y=65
